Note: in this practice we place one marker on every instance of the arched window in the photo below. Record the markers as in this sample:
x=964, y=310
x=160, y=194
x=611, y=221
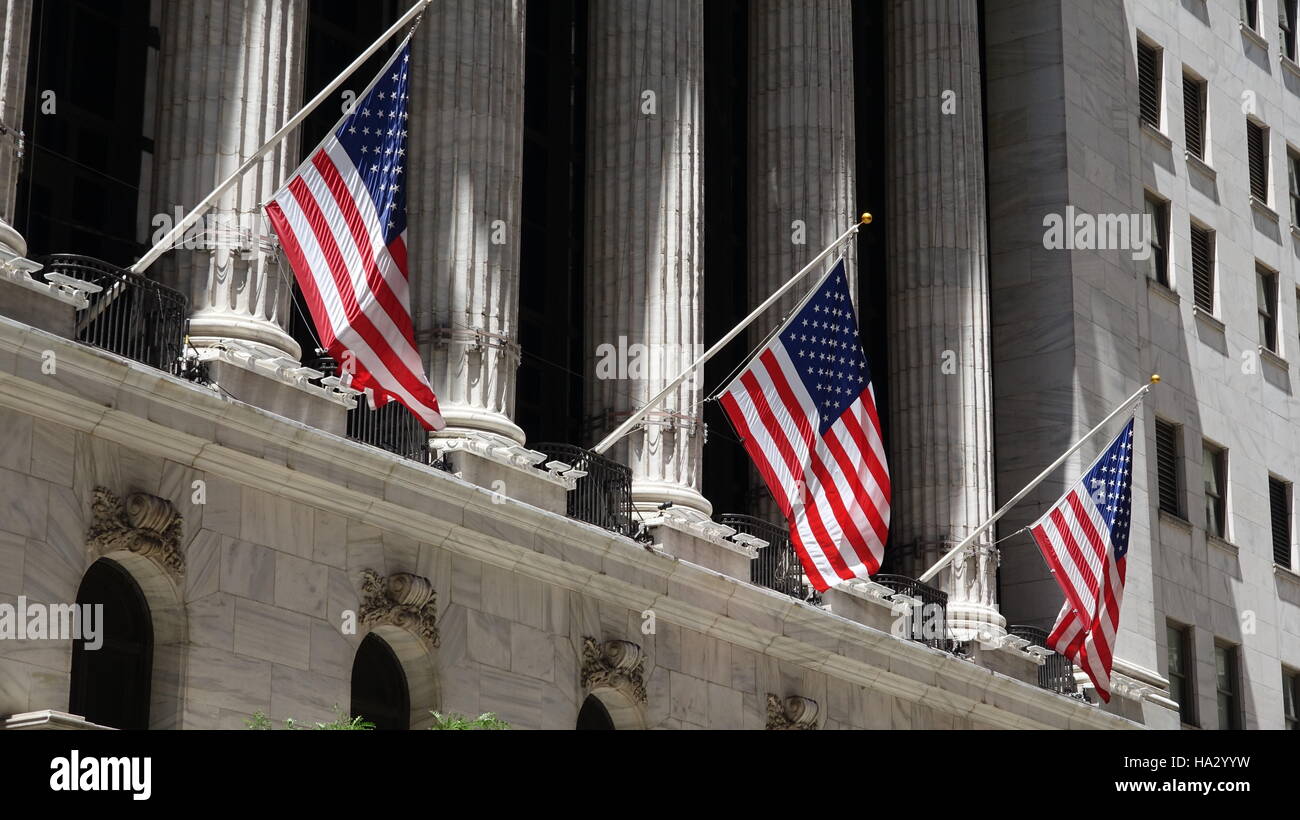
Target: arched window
x=379, y=690
x=594, y=715
x=110, y=685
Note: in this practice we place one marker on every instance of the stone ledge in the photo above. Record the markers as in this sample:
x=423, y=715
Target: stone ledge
x=48, y=719
x=434, y=507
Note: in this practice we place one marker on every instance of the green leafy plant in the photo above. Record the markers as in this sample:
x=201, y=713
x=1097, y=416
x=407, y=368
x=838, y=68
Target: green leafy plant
x=487, y=720
x=343, y=722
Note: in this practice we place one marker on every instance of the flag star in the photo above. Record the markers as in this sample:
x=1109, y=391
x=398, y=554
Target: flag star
x=381, y=95
x=365, y=112
x=352, y=129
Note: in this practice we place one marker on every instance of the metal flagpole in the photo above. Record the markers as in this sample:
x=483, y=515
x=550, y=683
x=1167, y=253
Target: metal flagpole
x=952, y=553
x=624, y=428
x=193, y=216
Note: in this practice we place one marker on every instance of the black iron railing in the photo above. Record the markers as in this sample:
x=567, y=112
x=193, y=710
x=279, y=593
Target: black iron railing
x=604, y=495
x=1057, y=673
x=929, y=622
x=131, y=315
x=391, y=427
x=777, y=566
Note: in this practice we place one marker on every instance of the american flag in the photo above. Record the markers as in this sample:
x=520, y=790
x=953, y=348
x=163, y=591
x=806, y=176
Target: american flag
x=1084, y=538
x=806, y=413
x=341, y=218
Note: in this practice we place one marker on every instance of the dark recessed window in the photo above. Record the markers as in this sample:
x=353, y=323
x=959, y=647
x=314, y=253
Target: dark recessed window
x=1257, y=149
x=594, y=715
x=1266, y=298
x=1157, y=218
x=1279, y=514
x=1293, y=184
x=1148, y=60
x=1250, y=14
x=111, y=685
x=379, y=691
x=1228, y=684
x=1215, y=471
x=1290, y=696
x=1286, y=21
x=1194, y=115
x=1167, y=472
x=1203, y=267
x=1179, y=670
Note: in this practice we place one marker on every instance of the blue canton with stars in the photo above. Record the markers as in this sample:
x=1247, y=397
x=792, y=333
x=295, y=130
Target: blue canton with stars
x=374, y=136
x=1110, y=483
x=822, y=340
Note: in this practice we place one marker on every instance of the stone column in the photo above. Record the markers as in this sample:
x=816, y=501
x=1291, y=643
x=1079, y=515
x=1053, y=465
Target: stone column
x=801, y=163
x=16, y=28
x=645, y=232
x=467, y=130
x=231, y=74
x=940, y=407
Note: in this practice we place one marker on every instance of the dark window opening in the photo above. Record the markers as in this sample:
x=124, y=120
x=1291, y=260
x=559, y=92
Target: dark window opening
x=1279, y=508
x=1194, y=115
x=379, y=690
x=1169, y=482
x=1179, y=671
x=1148, y=61
x=1257, y=148
x=594, y=715
x=1227, y=681
x=1157, y=214
x=111, y=685
x=79, y=191
x=1266, y=298
x=1203, y=267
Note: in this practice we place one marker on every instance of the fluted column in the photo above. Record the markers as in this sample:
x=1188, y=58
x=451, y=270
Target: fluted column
x=801, y=162
x=645, y=232
x=230, y=75
x=940, y=398
x=16, y=28
x=467, y=129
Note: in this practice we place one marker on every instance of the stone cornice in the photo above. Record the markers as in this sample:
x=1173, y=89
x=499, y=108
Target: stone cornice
x=402, y=496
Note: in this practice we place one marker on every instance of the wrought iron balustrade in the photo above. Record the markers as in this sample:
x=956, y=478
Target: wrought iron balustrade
x=131, y=315
x=930, y=624
x=1057, y=672
x=392, y=428
x=604, y=495
x=777, y=566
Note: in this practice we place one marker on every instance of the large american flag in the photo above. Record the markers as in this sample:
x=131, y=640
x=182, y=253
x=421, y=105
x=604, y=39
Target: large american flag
x=341, y=218
x=806, y=413
x=1084, y=538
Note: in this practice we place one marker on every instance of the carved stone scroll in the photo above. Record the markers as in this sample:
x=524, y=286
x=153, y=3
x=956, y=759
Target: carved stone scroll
x=794, y=712
x=403, y=600
x=144, y=524
x=615, y=664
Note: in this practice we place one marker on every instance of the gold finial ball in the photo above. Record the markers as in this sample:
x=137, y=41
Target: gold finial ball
x=866, y=219
x=1155, y=378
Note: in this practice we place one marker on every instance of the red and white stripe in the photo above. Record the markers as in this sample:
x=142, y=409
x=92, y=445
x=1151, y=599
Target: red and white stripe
x=1076, y=543
x=356, y=287
x=833, y=489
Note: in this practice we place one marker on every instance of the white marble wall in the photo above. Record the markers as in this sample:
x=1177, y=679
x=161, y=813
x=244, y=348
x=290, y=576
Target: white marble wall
x=1075, y=332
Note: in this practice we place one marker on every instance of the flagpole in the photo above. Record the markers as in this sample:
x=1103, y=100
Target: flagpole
x=624, y=428
x=193, y=216
x=952, y=553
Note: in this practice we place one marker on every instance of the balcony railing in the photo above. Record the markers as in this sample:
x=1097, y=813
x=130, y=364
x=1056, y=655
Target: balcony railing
x=604, y=495
x=392, y=428
x=130, y=315
x=777, y=566
x=1057, y=672
x=930, y=624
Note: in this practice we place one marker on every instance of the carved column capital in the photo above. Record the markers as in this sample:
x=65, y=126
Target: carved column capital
x=793, y=712
x=614, y=664
x=402, y=599
x=144, y=524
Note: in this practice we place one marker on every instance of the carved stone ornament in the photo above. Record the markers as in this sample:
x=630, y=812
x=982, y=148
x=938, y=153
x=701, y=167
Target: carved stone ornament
x=145, y=524
x=403, y=600
x=615, y=664
x=794, y=712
